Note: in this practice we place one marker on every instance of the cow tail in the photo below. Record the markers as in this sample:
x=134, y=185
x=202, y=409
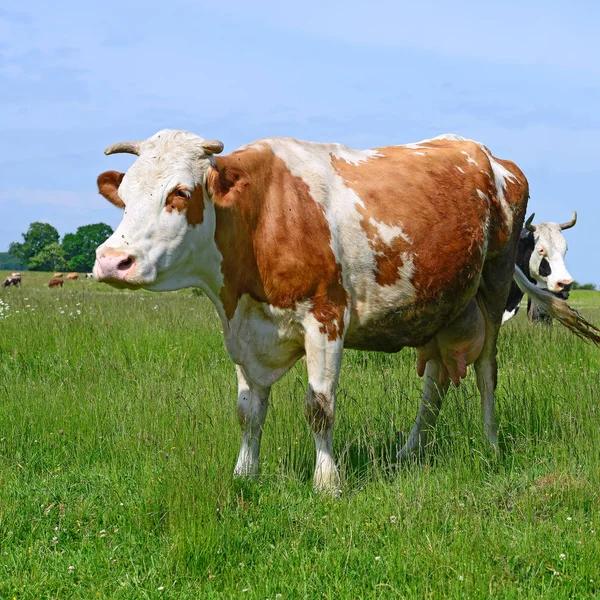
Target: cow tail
x=557, y=308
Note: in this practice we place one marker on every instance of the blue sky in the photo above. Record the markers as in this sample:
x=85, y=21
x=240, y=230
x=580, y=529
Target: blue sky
x=522, y=77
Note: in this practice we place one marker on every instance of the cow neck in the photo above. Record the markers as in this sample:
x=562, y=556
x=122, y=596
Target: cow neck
x=235, y=238
x=524, y=252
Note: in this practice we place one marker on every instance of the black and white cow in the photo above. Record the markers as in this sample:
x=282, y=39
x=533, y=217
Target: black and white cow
x=13, y=279
x=541, y=257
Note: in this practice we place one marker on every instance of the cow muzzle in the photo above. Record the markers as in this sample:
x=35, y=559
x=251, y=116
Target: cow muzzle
x=115, y=267
x=562, y=288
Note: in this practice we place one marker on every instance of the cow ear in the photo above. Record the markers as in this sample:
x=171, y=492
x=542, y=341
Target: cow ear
x=226, y=185
x=108, y=186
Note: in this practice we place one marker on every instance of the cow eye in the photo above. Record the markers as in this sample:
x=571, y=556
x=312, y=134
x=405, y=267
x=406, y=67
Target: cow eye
x=180, y=194
x=542, y=251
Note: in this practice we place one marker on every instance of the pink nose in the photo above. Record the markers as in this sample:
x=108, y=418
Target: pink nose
x=565, y=285
x=114, y=266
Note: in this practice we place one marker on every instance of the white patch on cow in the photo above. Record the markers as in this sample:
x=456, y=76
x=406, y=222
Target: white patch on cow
x=459, y=169
x=389, y=233
x=453, y=137
x=483, y=195
x=416, y=145
x=349, y=242
x=469, y=159
x=501, y=175
x=266, y=340
x=509, y=314
x=420, y=153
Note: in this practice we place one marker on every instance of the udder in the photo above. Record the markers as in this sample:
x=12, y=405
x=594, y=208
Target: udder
x=456, y=346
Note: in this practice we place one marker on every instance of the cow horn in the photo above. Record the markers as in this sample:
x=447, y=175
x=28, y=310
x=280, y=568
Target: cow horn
x=126, y=147
x=212, y=146
x=528, y=224
x=571, y=222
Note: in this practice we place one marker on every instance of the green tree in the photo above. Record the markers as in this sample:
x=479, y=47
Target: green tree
x=583, y=286
x=80, y=247
x=10, y=263
x=38, y=236
x=50, y=258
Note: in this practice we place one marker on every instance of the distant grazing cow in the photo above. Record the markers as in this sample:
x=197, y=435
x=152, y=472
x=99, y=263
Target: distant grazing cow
x=56, y=282
x=57, y=275
x=89, y=276
x=14, y=279
x=307, y=249
x=541, y=257
x=72, y=276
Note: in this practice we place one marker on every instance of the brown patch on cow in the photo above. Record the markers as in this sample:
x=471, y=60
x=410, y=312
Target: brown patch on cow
x=318, y=411
x=437, y=207
x=275, y=240
x=108, y=186
x=181, y=199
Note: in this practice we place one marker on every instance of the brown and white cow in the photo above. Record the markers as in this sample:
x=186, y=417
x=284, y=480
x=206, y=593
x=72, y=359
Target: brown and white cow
x=72, y=276
x=307, y=249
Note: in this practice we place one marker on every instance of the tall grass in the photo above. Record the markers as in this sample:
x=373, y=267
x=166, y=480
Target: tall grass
x=118, y=437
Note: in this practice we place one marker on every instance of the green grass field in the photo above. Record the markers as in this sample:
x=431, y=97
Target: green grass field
x=118, y=437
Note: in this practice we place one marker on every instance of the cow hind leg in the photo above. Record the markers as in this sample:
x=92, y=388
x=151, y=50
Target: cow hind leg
x=253, y=401
x=431, y=402
x=486, y=371
x=491, y=298
x=444, y=358
x=323, y=359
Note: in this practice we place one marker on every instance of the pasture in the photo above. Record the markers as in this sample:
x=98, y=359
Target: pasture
x=118, y=437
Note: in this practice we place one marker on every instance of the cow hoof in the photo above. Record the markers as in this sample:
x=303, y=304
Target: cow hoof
x=408, y=455
x=411, y=451
x=333, y=491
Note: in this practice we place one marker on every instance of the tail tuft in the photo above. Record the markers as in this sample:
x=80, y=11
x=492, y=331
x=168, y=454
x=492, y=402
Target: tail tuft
x=558, y=309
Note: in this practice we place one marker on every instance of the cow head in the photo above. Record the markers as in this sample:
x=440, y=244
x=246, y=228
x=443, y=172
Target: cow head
x=544, y=248
x=166, y=238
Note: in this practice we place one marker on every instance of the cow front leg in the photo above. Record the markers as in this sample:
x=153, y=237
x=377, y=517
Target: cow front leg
x=431, y=402
x=253, y=401
x=323, y=358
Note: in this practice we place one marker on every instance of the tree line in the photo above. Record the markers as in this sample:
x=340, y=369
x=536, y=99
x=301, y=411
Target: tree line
x=42, y=250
